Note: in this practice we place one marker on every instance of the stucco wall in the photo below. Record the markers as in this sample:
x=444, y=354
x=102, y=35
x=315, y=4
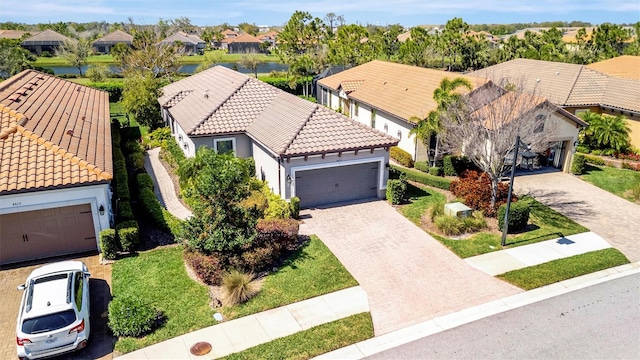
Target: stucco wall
x=267, y=167
x=95, y=195
x=242, y=146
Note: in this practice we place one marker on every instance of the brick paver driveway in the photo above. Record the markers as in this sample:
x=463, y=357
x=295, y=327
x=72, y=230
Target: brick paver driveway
x=409, y=277
x=101, y=342
x=615, y=219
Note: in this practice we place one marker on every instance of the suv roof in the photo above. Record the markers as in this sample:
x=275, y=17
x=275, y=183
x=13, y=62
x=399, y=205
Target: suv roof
x=50, y=288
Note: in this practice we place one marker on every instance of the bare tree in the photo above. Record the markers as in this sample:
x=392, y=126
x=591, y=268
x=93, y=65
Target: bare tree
x=75, y=52
x=484, y=125
x=250, y=60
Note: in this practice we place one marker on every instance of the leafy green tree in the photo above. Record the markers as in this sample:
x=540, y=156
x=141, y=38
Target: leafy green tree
x=386, y=40
x=303, y=34
x=211, y=58
x=250, y=29
x=98, y=72
x=453, y=33
x=147, y=55
x=351, y=46
x=219, y=183
x=140, y=98
x=75, y=52
x=606, y=132
x=250, y=61
x=608, y=41
x=474, y=53
x=13, y=58
x=413, y=51
x=634, y=47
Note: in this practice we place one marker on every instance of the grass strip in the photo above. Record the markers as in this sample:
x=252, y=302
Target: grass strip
x=562, y=269
x=312, y=342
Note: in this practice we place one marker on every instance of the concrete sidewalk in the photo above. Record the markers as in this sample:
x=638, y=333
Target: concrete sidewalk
x=243, y=333
x=499, y=262
x=400, y=337
x=165, y=192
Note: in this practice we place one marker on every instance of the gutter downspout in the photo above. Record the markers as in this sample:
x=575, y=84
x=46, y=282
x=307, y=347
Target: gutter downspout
x=279, y=176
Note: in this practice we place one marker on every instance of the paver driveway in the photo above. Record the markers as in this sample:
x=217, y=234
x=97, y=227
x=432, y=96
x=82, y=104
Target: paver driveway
x=615, y=219
x=409, y=277
x=101, y=342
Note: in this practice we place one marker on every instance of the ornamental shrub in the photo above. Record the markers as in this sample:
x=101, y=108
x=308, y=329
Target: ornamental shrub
x=418, y=176
x=130, y=315
x=278, y=207
x=125, y=212
x=447, y=166
x=294, y=204
x=518, y=215
x=476, y=191
x=128, y=235
x=144, y=181
x=277, y=231
x=238, y=287
x=401, y=156
x=396, y=191
x=422, y=166
x=449, y=225
x=594, y=160
x=435, y=171
x=578, y=165
x=151, y=206
x=109, y=244
x=629, y=166
x=208, y=268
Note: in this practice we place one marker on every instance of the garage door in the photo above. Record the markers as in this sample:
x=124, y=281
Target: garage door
x=45, y=233
x=335, y=184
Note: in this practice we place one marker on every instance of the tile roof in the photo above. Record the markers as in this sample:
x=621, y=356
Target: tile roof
x=183, y=38
x=223, y=101
x=349, y=86
x=115, y=37
x=625, y=66
x=13, y=34
x=245, y=38
x=567, y=84
x=53, y=133
x=46, y=36
x=401, y=90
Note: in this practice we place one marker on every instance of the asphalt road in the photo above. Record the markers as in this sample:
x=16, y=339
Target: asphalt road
x=597, y=322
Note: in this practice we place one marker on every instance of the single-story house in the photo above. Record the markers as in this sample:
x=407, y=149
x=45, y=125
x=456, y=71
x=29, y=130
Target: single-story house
x=105, y=43
x=386, y=96
x=13, y=34
x=271, y=37
x=610, y=87
x=47, y=40
x=300, y=148
x=191, y=43
x=55, y=167
x=227, y=36
x=243, y=44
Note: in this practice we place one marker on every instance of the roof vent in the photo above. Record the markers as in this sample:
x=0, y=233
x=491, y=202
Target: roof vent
x=70, y=132
x=206, y=94
x=78, y=88
x=557, y=72
x=537, y=80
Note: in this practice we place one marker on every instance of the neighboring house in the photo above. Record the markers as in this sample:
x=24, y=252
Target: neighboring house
x=192, y=44
x=271, y=37
x=227, y=36
x=613, y=90
x=244, y=44
x=13, y=34
x=47, y=40
x=55, y=167
x=386, y=96
x=105, y=43
x=300, y=148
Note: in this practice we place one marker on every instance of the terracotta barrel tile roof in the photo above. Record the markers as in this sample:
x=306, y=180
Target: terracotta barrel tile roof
x=223, y=101
x=625, y=66
x=56, y=132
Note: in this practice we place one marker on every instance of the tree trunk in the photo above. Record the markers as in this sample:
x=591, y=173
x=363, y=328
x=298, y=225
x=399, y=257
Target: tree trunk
x=494, y=191
x=435, y=155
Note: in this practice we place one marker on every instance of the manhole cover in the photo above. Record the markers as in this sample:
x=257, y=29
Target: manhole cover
x=200, y=348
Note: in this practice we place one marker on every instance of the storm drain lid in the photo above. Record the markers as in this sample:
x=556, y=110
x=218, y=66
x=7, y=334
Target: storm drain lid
x=200, y=348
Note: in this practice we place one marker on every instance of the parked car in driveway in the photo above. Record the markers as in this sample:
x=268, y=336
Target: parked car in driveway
x=54, y=312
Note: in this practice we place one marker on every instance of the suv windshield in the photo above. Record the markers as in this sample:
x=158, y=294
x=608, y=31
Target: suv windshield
x=48, y=322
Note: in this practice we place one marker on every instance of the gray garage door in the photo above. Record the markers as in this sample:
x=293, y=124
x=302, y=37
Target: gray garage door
x=335, y=184
x=45, y=233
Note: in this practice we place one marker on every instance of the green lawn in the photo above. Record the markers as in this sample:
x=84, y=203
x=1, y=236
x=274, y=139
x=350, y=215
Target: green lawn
x=116, y=112
x=87, y=81
x=554, y=271
x=312, y=342
x=545, y=224
x=160, y=277
x=614, y=180
x=313, y=270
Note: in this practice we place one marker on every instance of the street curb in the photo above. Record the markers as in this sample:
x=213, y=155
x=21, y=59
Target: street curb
x=403, y=336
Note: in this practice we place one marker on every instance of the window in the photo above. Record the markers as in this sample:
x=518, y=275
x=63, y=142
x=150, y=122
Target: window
x=373, y=118
x=225, y=145
x=400, y=134
x=324, y=97
x=78, y=288
x=386, y=128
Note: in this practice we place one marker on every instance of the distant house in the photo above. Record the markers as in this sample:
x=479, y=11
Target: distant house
x=271, y=37
x=609, y=87
x=105, y=43
x=14, y=34
x=191, y=43
x=300, y=148
x=55, y=167
x=47, y=40
x=227, y=36
x=244, y=43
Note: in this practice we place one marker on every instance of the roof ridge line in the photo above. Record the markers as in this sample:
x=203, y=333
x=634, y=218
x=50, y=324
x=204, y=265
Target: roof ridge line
x=304, y=123
x=82, y=163
x=209, y=114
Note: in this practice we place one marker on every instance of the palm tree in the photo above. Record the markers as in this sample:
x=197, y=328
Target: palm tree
x=606, y=132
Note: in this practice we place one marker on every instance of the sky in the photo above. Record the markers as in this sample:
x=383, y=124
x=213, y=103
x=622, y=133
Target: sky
x=278, y=12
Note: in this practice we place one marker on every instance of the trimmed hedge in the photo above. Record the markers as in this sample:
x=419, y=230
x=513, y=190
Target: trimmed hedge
x=144, y=181
x=283, y=84
x=396, y=191
x=518, y=215
x=108, y=244
x=132, y=316
x=128, y=235
x=435, y=171
x=447, y=166
x=578, y=165
x=413, y=175
x=152, y=207
x=456, y=165
x=113, y=88
x=294, y=203
x=422, y=166
x=401, y=156
x=125, y=212
x=594, y=160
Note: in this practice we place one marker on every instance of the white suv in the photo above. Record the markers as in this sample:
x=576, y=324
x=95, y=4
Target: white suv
x=54, y=312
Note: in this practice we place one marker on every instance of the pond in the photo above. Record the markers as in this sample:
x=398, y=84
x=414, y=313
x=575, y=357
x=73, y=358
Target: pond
x=265, y=67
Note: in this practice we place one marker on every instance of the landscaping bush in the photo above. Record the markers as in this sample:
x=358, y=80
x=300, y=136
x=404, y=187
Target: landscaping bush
x=396, y=191
x=113, y=88
x=457, y=165
x=277, y=231
x=449, y=225
x=294, y=204
x=282, y=83
x=518, y=215
x=128, y=235
x=208, y=268
x=422, y=166
x=157, y=136
x=151, y=206
x=144, y=181
x=108, y=244
x=578, y=165
x=436, y=210
x=130, y=315
x=474, y=223
x=418, y=176
x=136, y=161
x=583, y=149
x=171, y=153
x=628, y=166
x=447, y=166
x=435, y=171
x=238, y=287
x=594, y=160
x=125, y=212
x=401, y=156
x=476, y=191
x=278, y=207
